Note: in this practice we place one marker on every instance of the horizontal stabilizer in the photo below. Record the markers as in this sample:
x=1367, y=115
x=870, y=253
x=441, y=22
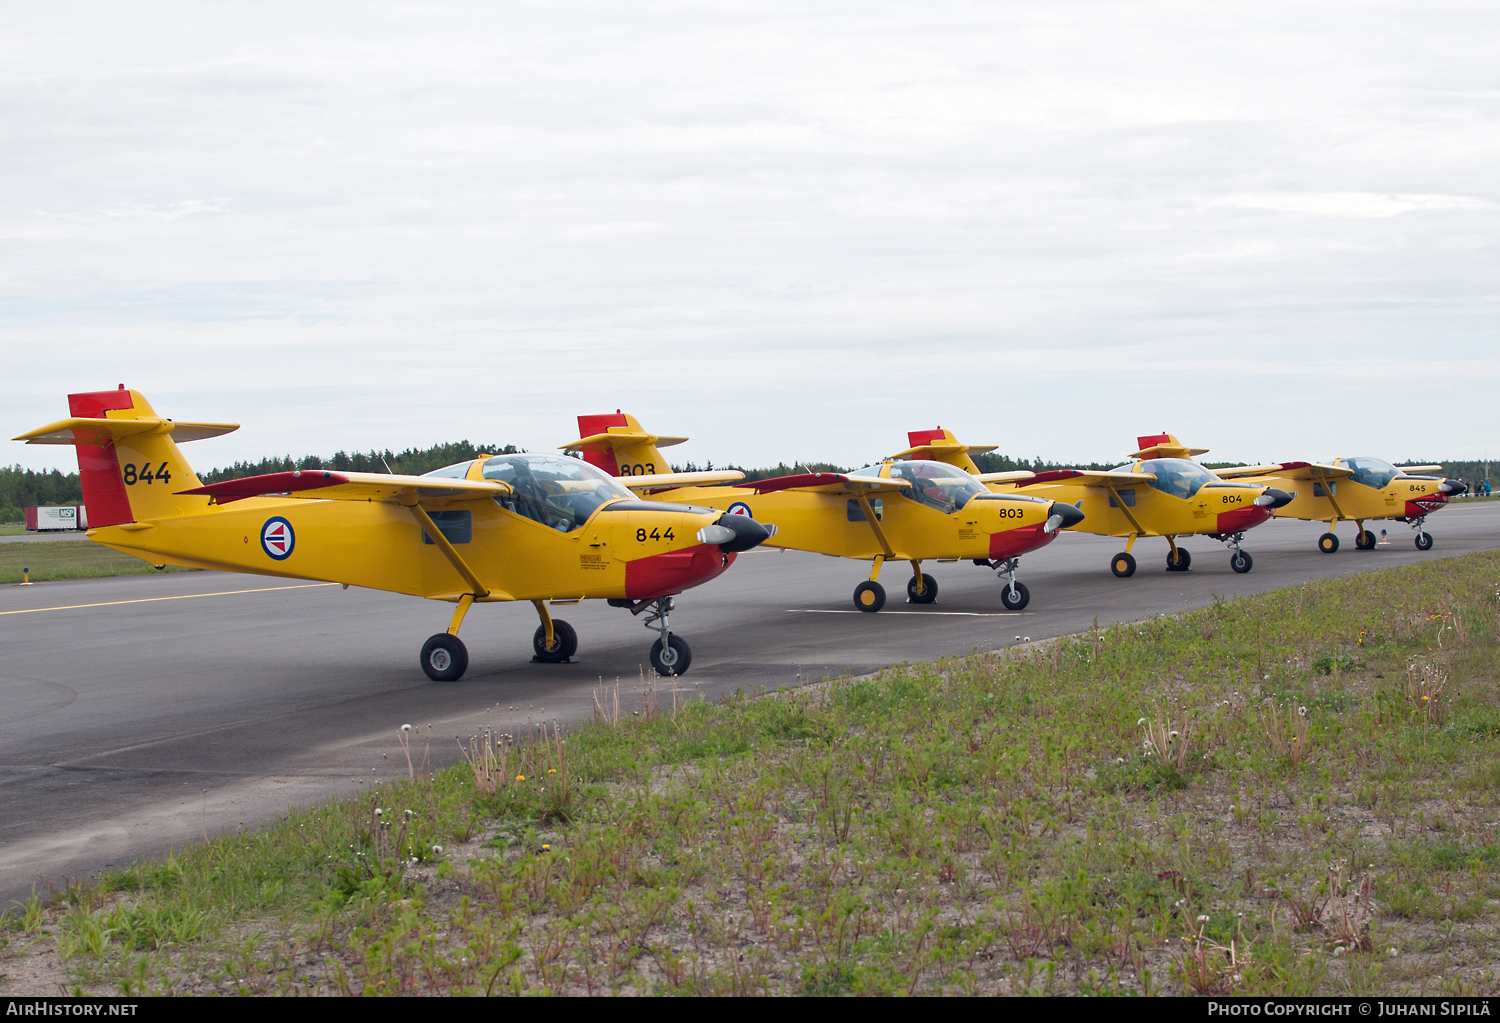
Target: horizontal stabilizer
x=324, y=485
x=614, y=436
x=1419, y=468
x=1004, y=477
x=98, y=431
x=675, y=480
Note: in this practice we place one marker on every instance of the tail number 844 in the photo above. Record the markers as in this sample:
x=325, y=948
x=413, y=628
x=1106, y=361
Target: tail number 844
x=145, y=475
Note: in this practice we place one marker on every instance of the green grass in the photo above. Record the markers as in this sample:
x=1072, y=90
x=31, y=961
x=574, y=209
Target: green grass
x=1293, y=793
x=12, y=529
x=69, y=559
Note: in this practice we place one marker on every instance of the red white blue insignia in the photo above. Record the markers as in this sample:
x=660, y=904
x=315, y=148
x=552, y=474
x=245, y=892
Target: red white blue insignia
x=741, y=508
x=277, y=538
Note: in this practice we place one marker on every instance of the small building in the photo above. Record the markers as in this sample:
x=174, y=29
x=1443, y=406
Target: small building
x=52, y=518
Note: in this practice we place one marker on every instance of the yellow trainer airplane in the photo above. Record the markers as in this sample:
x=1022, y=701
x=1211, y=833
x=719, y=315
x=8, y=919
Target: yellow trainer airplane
x=937, y=512
x=1371, y=489
x=541, y=528
x=1164, y=493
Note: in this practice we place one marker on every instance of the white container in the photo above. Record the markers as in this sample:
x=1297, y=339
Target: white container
x=45, y=518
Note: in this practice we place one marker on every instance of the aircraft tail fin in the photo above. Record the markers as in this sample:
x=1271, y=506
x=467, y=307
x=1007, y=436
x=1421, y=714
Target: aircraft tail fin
x=128, y=459
x=941, y=446
x=619, y=445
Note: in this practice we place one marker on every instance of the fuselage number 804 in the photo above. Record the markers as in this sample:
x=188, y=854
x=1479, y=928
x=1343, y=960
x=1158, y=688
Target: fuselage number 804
x=145, y=475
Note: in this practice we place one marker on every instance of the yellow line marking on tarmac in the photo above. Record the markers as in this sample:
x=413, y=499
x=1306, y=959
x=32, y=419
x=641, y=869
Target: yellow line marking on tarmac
x=148, y=600
x=957, y=614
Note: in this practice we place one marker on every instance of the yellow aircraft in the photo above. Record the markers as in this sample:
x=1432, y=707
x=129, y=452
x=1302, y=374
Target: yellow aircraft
x=1372, y=489
x=935, y=512
x=541, y=528
x=1164, y=493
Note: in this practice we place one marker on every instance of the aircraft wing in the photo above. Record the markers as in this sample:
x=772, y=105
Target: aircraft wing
x=91, y=431
x=1419, y=468
x=827, y=483
x=1287, y=471
x=1088, y=478
x=326, y=485
x=1004, y=477
x=673, y=480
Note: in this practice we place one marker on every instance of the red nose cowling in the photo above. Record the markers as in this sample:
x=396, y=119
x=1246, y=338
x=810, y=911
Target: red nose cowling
x=675, y=571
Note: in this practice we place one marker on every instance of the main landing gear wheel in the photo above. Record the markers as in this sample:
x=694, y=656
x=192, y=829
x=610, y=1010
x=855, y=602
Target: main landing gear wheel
x=1328, y=543
x=564, y=642
x=1364, y=540
x=928, y=594
x=1015, y=601
x=673, y=658
x=445, y=658
x=1424, y=541
x=1241, y=562
x=1123, y=565
x=1178, y=560
x=869, y=596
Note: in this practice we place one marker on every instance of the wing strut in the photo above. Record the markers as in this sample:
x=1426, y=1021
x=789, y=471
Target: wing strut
x=454, y=558
x=864, y=506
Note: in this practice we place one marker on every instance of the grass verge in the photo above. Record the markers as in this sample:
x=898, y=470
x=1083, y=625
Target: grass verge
x=70, y=559
x=1292, y=793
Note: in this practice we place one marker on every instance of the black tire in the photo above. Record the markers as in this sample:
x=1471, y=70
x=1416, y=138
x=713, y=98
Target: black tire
x=1424, y=541
x=1016, y=601
x=564, y=642
x=869, y=596
x=678, y=653
x=929, y=590
x=1328, y=543
x=1241, y=562
x=445, y=658
x=1183, y=559
x=1364, y=540
x=1122, y=565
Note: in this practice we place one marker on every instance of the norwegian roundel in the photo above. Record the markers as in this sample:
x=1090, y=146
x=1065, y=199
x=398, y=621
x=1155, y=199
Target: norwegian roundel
x=277, y=538
x=741, y=508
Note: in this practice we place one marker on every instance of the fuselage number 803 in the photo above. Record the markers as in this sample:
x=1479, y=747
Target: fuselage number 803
x=145, y=475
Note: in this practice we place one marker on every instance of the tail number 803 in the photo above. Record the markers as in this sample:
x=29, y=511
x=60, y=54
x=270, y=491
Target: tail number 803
x=655, y=534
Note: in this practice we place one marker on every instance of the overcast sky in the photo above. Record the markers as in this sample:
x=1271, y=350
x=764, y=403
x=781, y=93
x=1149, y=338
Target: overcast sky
x=791, y=231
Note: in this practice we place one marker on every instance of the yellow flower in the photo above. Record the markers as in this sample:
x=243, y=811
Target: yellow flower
x=552, y=771
x=520, y=777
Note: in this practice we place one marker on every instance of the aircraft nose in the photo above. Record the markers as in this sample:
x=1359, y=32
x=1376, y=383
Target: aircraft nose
x=1454, y=487
x=1274, y=498
x=1061, y=516
x=735, y=533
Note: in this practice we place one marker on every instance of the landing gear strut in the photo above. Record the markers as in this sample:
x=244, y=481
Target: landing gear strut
x=670, y=655
x=1015, y=595
x=870, y=595
x=444, y=657
x=1424, y=538
x=920, y=589
x=1240, y=561
x=1178, y=558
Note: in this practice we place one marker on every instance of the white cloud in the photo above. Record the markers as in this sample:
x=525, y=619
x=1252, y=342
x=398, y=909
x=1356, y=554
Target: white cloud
x=790, y=230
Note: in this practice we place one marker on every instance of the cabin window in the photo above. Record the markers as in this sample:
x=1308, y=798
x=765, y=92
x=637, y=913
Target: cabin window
x=456, y=471
x=1319, y=491
x=555, y=491
x=1126, y=495
x=857, y=514
x=456, y=526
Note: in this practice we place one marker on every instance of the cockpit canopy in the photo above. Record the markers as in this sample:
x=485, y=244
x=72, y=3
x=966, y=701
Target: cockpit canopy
x=1372, y=472
x=937, y=485
x=1178, y=477
x=553, y=490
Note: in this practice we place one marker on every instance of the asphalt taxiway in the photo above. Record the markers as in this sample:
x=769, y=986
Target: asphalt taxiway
x=142, y=712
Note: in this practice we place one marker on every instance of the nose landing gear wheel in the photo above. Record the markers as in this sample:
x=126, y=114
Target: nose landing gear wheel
x=928, y=594
x=1364, y=541
x=564, y=642
x=1424, y=541
x=1241, y=562
x=445, y=658
x=673, y=658
x=1178, y=560
x=1015, y=601
x=1328, y=543
x=1123, y=565
x=869, y=596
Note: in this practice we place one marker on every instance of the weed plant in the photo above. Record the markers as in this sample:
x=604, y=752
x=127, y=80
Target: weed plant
x=1293, y=793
